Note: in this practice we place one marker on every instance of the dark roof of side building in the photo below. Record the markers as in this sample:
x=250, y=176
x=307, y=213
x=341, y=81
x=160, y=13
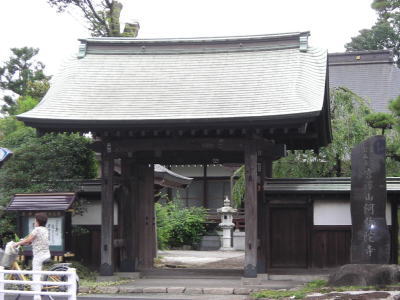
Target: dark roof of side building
x=42, y=202
x=162, y=177
x=370, y=74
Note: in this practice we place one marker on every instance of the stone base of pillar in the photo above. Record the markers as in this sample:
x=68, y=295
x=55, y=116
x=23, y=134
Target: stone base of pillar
x=226, y=249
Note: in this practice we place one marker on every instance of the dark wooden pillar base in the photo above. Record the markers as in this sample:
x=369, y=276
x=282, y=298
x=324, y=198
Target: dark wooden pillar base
x=250, y=271
x=128, y=265
x=106, y=270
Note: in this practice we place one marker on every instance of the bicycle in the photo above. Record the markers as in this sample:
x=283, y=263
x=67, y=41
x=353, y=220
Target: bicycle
x=10, y=261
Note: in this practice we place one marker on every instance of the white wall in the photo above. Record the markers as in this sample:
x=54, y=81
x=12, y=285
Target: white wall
x=189, y=171
x=197, y=170
x=334, y=212
x=219, y=171
x=92, y=216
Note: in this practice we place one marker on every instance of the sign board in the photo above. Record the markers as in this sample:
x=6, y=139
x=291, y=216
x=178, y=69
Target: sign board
x=55, y=225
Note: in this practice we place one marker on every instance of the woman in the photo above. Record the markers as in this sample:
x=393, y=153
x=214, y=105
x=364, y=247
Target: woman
x=39, y=239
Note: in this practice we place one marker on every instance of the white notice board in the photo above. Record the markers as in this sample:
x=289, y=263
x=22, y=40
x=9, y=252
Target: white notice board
x=55, y=227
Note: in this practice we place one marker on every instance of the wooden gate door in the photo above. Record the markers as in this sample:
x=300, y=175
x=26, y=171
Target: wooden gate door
x=289, y=238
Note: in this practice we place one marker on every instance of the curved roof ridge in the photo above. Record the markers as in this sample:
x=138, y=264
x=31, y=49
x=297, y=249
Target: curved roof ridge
x=127, y=40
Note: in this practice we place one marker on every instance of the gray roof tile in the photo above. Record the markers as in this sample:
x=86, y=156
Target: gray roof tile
x=253, y=82
x=371, y=75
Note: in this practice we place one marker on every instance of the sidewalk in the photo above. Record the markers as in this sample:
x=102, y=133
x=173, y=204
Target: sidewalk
x=202, y=275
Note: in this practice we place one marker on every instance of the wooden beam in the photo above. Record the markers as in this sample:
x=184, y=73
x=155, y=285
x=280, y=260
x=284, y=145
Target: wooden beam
x=186, y=157
x=251, y=214
x=107, y=213
x=190, y=144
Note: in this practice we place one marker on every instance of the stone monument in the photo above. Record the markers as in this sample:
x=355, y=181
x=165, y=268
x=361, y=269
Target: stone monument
x=370, y=242
x=226, y=224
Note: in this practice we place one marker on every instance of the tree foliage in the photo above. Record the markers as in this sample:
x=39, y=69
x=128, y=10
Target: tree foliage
x=22, y=75
x=380, y=120
x=102, y=16
x=49, y=163
x=239, y=187
x=385, y=34
x=393, y=147
x=348, y=112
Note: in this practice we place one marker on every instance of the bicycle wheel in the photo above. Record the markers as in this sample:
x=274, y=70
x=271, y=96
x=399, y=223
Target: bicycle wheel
x=58, y=278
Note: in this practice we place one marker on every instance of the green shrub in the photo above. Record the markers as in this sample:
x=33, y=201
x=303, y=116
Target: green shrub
x=316, y=286
x=178, y=225
x=83, y=272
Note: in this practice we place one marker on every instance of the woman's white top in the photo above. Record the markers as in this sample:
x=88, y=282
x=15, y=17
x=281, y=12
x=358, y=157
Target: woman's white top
x=40, y=242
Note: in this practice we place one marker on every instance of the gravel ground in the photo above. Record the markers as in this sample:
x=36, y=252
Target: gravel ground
x=203, y=259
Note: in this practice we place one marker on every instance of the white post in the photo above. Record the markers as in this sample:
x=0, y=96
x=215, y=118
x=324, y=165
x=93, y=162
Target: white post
x=72, y=284
x=1, y=282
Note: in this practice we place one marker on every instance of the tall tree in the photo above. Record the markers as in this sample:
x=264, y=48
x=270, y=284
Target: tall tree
x=22, y=75
x=349, y=127
x=394, y=144
x=102, y=16
x=385, y=34
x=348, y=112
x=53, y=162
x=50, y=163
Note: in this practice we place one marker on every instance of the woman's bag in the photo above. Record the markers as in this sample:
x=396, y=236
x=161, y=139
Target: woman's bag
x=9, y=255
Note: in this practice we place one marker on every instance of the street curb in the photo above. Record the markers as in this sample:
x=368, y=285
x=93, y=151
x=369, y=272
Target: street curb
x=167, y=290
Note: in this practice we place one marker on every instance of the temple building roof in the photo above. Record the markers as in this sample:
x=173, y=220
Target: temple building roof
x=370, y=74
x=137, y=83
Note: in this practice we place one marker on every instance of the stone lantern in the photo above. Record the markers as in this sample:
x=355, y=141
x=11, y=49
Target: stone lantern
x=226, y=224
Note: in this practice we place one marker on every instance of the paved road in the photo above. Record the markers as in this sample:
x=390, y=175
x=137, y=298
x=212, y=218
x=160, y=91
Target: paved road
x=141, y=297
x=91, y=298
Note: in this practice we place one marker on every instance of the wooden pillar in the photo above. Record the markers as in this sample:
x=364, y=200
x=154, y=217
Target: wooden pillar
x=68, y=230
x=251, y=244
x=107, y=213
x=205, y=186
x=145, y=217
x=264, y=167
x=394, y=232
x=127, y=217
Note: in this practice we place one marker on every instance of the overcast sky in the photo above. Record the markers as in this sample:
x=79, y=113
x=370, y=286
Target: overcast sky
x=332, y=22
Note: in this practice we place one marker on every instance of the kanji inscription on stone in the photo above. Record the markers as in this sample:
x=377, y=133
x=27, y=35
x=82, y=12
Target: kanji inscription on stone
x=370, y=242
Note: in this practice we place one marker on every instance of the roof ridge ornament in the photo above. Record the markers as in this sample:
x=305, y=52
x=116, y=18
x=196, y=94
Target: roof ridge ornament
x=82, y=50
x=303, y=42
